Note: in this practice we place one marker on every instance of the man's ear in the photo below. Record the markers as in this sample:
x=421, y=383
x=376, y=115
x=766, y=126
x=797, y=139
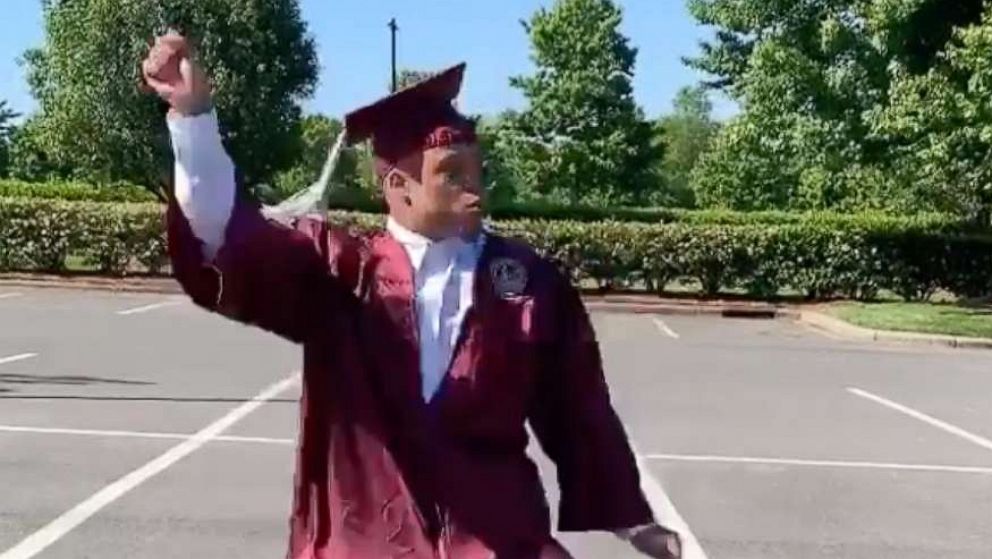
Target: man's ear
x=395, y=182
x=396, y=186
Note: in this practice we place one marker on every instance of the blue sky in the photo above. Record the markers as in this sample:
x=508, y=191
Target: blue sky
x=353, y=44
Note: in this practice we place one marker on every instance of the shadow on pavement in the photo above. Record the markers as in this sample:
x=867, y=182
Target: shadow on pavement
x=11, y=378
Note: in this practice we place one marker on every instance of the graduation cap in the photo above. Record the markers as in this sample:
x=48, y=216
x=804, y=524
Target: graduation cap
x=412, y=120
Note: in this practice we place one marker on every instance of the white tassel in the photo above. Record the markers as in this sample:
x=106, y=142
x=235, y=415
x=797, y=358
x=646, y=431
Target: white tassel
x=311, y=202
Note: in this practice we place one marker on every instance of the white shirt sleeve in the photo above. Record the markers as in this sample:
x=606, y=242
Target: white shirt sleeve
x=204, y=178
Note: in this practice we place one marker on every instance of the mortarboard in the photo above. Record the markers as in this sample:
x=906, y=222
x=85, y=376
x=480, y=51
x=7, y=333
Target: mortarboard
x=411, y=120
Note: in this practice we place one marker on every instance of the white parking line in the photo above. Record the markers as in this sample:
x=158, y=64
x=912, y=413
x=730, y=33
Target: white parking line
x=55, y=530
x=819, y=463
x=90, y=432
x=664, y=328
x=700, y=458
x=259, y=440
x=147, y=308
x=16, y=358
x=663, y=507
x=10, y=295
x=928, y=419
x=136, y=434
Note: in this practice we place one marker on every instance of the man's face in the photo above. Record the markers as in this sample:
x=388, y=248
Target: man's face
x=449, y=199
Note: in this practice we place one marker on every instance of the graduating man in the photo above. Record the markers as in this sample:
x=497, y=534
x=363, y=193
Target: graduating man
x=427, y=347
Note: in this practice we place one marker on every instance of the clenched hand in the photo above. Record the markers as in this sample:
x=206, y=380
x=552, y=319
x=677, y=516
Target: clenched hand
x=171, y=73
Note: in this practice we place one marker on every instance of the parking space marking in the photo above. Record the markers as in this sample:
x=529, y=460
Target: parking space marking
x=928, y=419
x=665, y=329
x=148, y=308
x=137, y=434
x=698, y=458
x=665, y=509
x=91, y=432
x=16, y=358
x=40, y=540
x=819, y=463
x=259, y=440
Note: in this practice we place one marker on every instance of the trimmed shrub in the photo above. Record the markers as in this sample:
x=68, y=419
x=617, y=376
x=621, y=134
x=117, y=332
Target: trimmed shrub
x=40, y=235
x=75, y=191
x=820, y=256
x=356, y=200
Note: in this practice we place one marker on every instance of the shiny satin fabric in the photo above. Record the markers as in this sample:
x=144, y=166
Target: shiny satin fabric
x=380, y=471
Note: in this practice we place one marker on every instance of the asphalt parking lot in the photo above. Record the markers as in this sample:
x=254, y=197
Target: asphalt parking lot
x=139, y=426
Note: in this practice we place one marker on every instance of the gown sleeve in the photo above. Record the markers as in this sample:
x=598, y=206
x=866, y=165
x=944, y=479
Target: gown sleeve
x=204, y=178
x=229, y=258
x=578, y=428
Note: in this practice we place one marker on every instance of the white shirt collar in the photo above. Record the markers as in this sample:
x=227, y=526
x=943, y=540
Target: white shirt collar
x=404, y=235
x=417, y=245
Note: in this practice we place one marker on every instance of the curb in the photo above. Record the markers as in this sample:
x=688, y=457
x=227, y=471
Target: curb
x=164, y=286
x=620, y=304
x=697, y=308
x=836, y=326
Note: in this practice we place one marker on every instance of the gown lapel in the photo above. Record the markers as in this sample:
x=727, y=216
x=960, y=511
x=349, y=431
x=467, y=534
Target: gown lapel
x=393, y=320
x=394, y=288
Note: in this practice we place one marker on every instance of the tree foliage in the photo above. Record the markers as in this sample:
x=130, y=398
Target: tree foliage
x=687, y=133
x=940, y=125
x=29, y=158
x=501, y=184
x=95, y=120
x=407, y=78
x=7, y=116
x=912, y=32
x=827, y=89
x=354, y=171
x=582, y=137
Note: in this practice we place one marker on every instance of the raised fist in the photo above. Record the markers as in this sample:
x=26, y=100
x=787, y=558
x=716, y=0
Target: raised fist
x=171, y=73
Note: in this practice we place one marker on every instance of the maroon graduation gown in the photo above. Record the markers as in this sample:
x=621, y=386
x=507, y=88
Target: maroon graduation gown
x=380, y=473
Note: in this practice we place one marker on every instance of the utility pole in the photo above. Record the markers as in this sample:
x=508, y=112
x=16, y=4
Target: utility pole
x=393, y=28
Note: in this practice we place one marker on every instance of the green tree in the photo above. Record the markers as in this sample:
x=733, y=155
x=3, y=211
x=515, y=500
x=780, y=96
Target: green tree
x=913, y=32
x=812, y=78
x=502, y=186
x=317, y=134
x=582, y=138
x=87, y=81
x=28, y=159
x=7, y=116
x=687, y=133
x=940, y=126
x=407, y=78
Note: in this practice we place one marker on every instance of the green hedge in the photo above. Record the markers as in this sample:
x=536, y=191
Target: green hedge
x=75, y=191
x=816, y=257
x=535, y=210
x=358, y=200
x=355, y=201
x=111, y=238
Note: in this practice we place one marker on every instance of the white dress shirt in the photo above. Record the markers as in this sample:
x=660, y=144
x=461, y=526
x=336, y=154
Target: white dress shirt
x=205, y=182
x=444, y=277
x=444, y=271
